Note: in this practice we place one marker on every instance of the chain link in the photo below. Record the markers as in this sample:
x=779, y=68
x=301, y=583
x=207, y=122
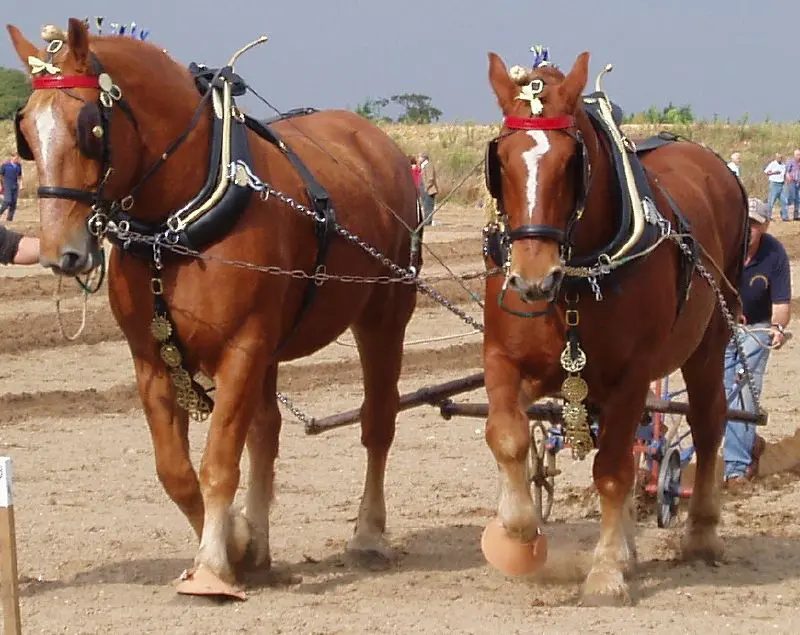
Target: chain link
x=299, y=414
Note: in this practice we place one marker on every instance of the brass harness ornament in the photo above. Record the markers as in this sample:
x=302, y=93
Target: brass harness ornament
x=189, y=395
x=574, y=388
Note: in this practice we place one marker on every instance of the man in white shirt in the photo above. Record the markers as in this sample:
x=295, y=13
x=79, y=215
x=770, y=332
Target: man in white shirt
x=776, y=174
x=735, y=164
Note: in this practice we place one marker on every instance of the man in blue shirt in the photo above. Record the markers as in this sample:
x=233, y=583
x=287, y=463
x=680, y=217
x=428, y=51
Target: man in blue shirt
x=11, y=182
x=765, y=289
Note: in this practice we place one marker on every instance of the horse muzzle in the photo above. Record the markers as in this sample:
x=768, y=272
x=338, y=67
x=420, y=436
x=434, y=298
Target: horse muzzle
x=545, y=288
x=72, y=261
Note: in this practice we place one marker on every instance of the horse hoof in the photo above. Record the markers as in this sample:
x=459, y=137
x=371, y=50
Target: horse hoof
x=706, y=546
x=203, y=581
x=371, y=555
x=605, y=589
x=511, y=556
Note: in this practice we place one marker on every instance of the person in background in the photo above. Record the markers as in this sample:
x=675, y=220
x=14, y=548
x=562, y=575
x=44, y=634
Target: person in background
x=776, y=175
x=416, y=174
x=11, y=183
x=428, y=188
x=735, y=164
x=793, y=185
x=17, y=249
x=765, y=289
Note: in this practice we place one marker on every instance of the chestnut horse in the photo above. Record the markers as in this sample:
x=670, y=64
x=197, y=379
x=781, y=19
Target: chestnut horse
x=230, y=321
x=639, y=331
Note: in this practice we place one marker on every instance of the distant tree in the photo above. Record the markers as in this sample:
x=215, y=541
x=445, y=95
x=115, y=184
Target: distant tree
x=668, y=114
x=416, y=108
x=372, y=109
x=14, y=91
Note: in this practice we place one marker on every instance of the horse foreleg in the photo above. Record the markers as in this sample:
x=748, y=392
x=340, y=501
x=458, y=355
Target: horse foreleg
x=613, y=471
x=508, y=437
x=239, y=385
x=381, y=351
x=703, y=374
x=169, y=426
x=262, y=450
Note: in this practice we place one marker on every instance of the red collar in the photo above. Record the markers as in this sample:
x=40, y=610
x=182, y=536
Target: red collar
x=539, y=123
x=65, y=81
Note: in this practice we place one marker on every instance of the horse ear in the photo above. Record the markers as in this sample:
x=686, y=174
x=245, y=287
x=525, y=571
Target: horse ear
x=503, y=86
x=574, y=83
x=78, y=40
x=24, y=47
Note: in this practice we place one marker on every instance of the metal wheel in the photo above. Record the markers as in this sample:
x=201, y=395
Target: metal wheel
x=669, y=483
x=542, y=472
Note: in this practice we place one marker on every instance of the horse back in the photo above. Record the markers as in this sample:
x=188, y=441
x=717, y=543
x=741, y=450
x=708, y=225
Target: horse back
x=708, y=194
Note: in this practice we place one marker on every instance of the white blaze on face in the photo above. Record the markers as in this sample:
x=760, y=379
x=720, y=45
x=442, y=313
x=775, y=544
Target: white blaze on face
x=46, y=131
x=531, y=158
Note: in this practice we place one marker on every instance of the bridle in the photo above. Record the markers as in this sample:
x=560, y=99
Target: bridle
x=511, y=125
x=563, y=123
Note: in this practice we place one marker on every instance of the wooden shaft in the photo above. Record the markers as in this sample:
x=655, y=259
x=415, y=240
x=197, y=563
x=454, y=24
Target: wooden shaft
x=552, y=412
x=432, y=395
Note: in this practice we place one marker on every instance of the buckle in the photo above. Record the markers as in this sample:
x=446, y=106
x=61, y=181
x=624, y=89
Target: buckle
x=572, y=317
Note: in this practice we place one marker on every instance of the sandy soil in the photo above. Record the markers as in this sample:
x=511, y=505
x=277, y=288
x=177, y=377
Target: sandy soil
x=99, y=542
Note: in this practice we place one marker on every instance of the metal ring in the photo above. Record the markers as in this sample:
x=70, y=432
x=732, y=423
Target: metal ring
x=106, y=100
x=174, y=223
x=54, y=46
x=123, y=227
x=115, y=92
x=127, y=203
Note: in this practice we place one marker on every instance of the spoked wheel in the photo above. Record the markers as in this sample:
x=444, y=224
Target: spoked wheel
x=542, y=471
x=669, y=484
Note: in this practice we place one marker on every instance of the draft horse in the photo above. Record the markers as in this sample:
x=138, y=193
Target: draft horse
x=560, y=200
x=232, y=323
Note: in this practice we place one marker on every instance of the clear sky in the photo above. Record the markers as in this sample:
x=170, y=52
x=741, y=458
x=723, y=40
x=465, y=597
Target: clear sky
x=728, y=57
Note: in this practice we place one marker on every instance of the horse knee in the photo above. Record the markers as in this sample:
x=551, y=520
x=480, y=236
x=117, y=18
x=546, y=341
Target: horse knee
x=508, y=438
x=615, y=486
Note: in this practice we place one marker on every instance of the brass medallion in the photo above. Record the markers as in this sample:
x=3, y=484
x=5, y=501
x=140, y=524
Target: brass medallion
x=574, y=415
x=181, y=379
x=575, y=388
x=160, y=328
x=171, y=355
x=572, y=365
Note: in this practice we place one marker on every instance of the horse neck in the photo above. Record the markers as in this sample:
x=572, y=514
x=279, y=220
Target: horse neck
x=163, y=100
x=598, y=223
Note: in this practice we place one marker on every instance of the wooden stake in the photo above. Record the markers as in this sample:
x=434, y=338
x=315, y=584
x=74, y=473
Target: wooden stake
x=9, y=583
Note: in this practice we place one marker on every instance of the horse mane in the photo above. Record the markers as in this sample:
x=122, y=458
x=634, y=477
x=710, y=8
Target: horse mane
x=149, y=78
x=132, y=62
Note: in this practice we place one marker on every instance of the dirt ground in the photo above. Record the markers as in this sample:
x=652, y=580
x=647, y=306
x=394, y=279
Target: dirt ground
x=99, y=543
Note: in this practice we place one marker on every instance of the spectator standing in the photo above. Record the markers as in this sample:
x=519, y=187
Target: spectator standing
x=776, y=175
x=735, y=164
x=793, y=185
x=428, y=188
x=10, y=182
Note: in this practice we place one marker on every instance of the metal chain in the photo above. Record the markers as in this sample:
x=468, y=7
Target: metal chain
x=299, y=414
x=726, y=313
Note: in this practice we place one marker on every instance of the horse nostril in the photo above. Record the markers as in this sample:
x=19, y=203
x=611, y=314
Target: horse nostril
x=515, y=282
x=552, y=280
x=70, y=262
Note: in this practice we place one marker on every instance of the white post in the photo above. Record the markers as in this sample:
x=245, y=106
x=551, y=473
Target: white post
x=9, y=582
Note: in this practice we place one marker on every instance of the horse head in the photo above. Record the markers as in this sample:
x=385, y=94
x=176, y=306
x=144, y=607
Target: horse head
x=534, y=169
x=100, y=113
